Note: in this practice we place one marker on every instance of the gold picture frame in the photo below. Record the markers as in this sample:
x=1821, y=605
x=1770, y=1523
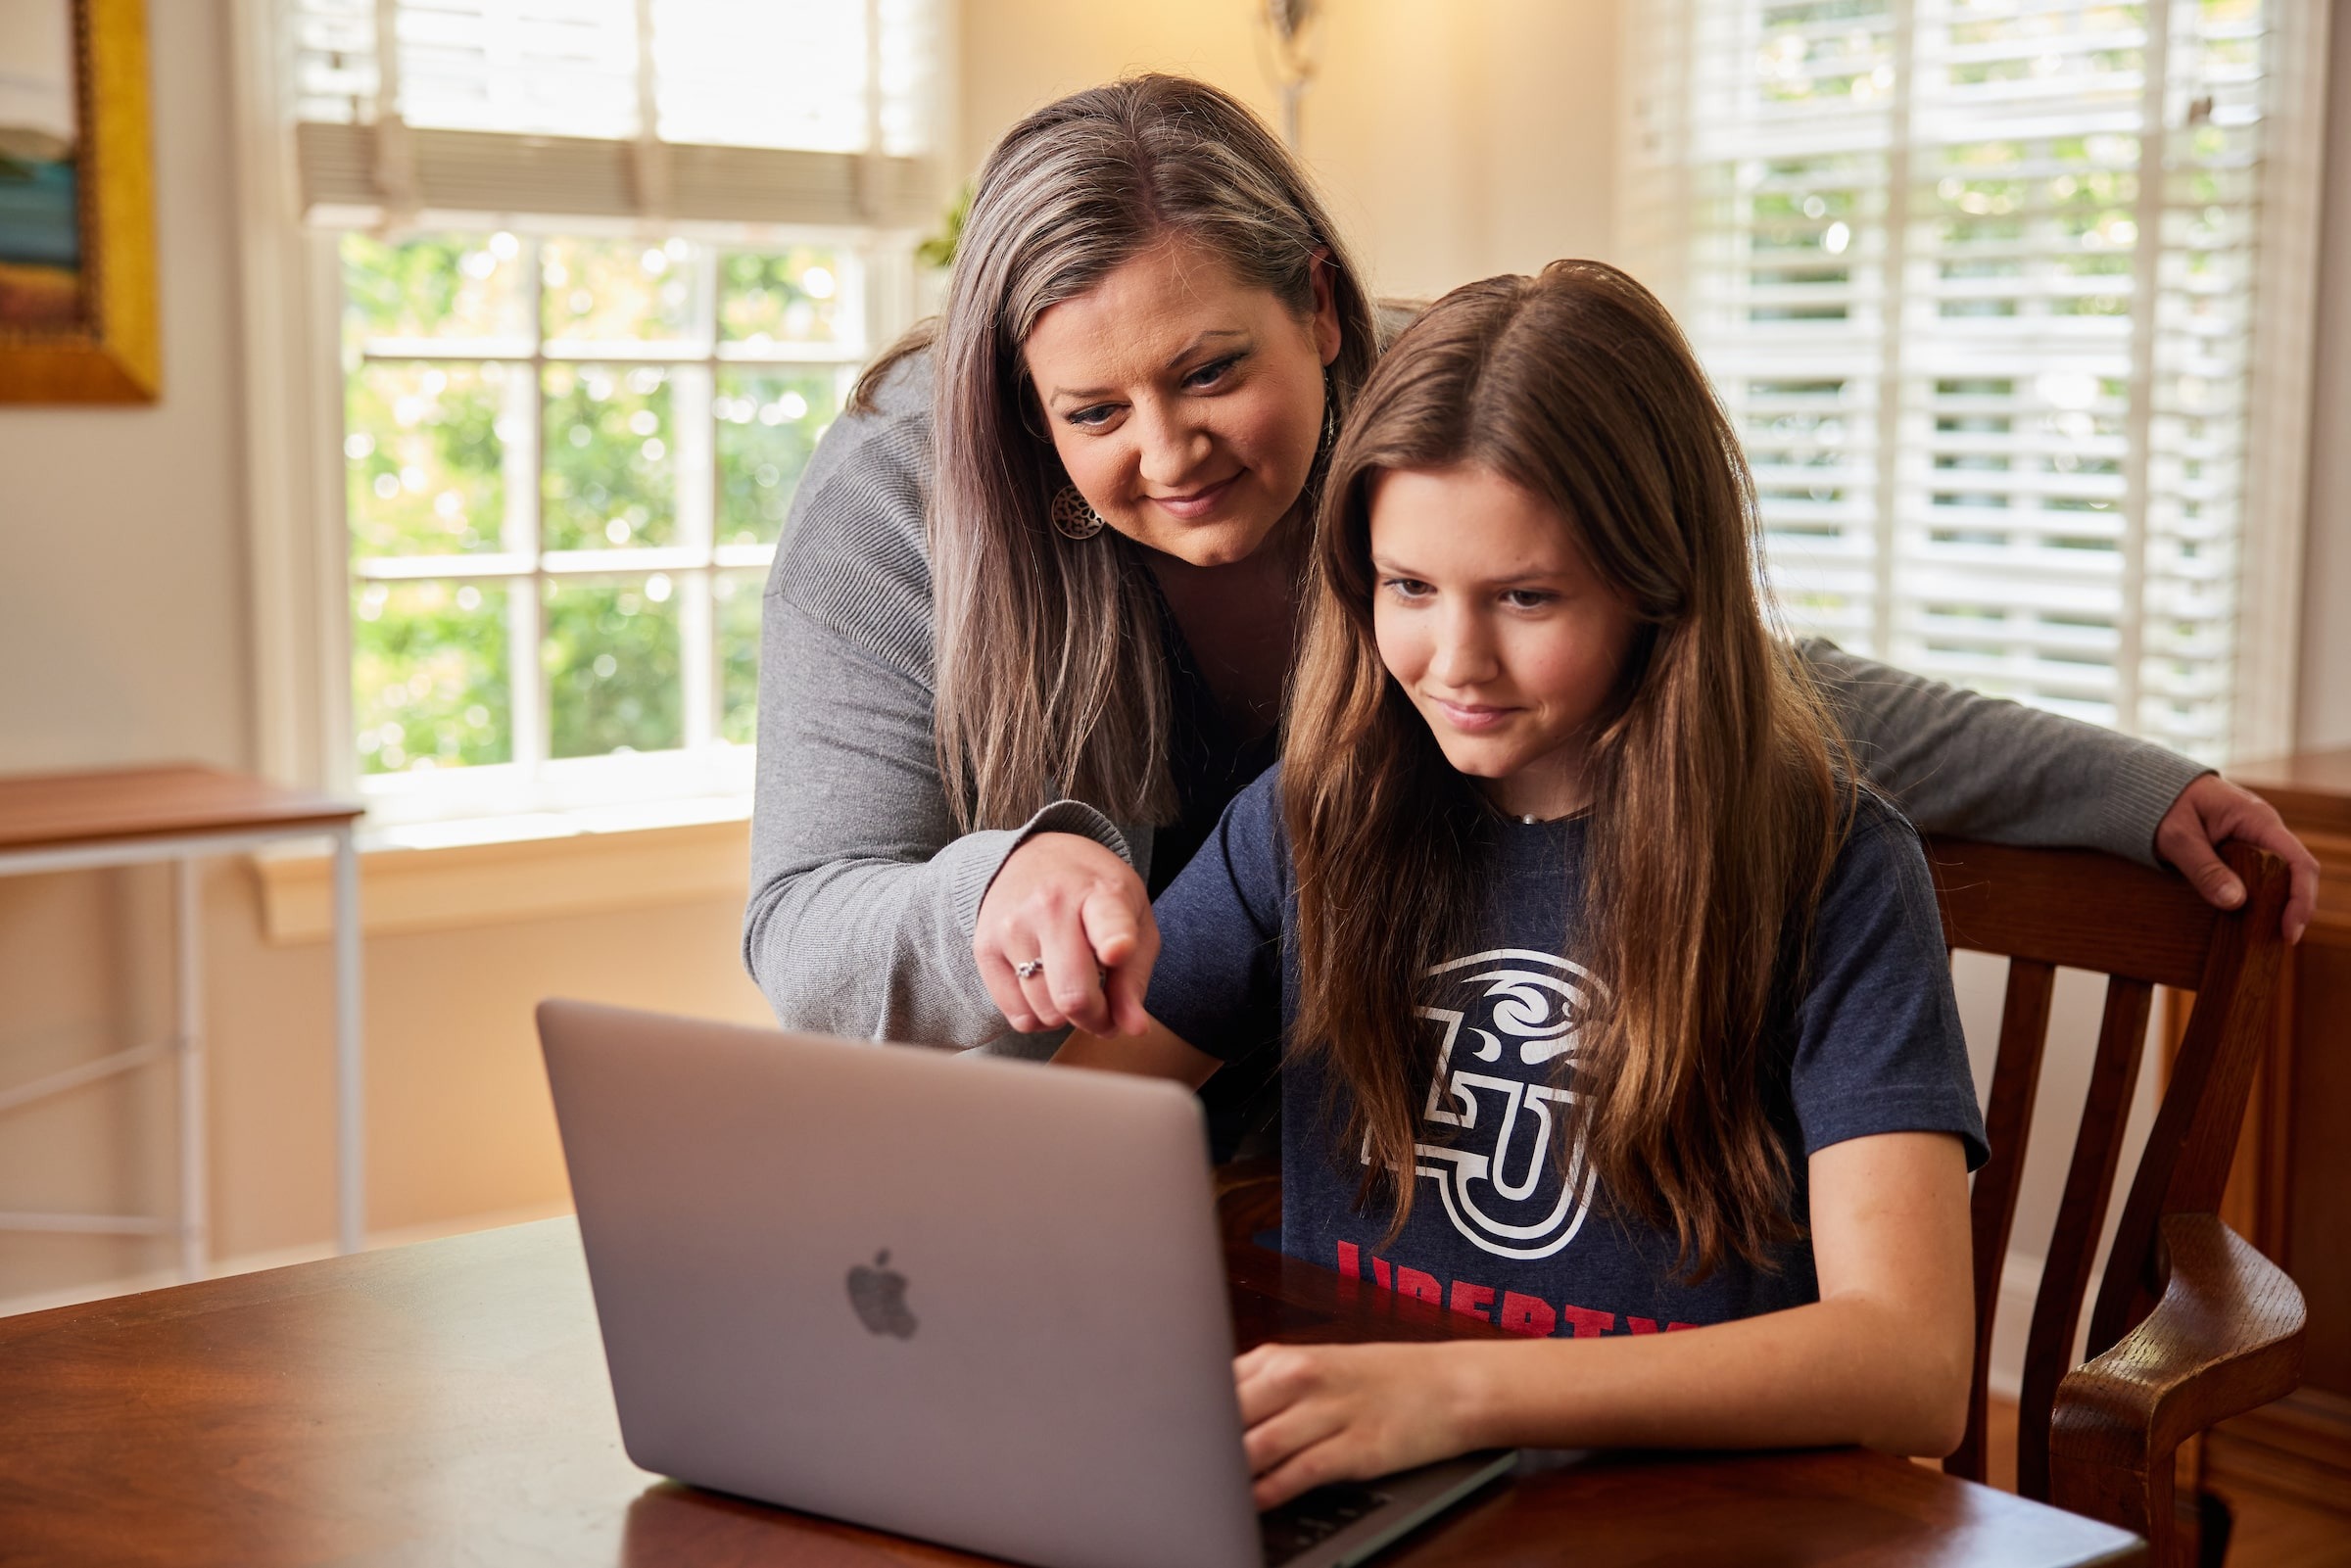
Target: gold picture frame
x=77, y=281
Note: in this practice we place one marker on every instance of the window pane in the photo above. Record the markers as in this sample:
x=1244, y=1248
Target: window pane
x=425, y=457
x=791, y=296
x=625, y=290
x=768, y=423
x=441, y=286
x=565, y=70
x=610, y=475
x=737, y=600
x=428, y=675
x=754, y=74
x=612, y=665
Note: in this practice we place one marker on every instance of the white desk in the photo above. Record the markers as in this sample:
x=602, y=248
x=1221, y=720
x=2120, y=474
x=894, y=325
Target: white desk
x=182, y=814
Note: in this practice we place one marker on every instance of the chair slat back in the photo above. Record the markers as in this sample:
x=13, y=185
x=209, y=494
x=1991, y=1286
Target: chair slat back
x=2045, y=909
x=2007, y=1119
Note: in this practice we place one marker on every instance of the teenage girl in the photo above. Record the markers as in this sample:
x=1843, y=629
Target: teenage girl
x=1611, y=1007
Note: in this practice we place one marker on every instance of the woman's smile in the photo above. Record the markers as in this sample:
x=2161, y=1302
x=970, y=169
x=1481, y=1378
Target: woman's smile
x=1196, y=503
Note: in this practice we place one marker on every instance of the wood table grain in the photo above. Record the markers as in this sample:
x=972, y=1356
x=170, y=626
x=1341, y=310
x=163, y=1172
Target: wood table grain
x=113, y=804
x=447, y=1404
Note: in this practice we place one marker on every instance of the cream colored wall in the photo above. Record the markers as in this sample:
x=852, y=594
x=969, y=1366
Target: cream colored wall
x=1454, y=142
x=123, y=631
x=2323, y=713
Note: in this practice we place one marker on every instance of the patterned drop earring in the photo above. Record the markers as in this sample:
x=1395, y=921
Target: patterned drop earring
x=1073, y=517
x=1330, y=414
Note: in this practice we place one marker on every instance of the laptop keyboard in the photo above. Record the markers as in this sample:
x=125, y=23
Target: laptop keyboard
x=1313, y=1517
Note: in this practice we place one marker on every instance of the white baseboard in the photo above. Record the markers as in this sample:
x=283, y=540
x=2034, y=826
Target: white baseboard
x=280, y=1257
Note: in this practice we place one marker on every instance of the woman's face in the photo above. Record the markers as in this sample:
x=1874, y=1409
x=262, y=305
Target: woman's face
x=1186, y=406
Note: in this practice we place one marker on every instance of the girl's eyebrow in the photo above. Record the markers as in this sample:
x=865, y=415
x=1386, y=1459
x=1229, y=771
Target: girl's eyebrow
x=1204, y=340
x=1387, y=567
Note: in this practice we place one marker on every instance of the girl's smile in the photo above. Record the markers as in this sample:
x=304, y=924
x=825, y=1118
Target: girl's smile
x=1494, y=625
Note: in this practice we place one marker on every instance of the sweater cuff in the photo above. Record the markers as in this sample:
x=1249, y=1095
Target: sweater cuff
x=2141, y=784
x=980, y=855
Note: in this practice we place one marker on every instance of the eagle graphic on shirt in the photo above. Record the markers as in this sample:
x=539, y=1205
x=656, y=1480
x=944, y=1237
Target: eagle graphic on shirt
x=1499, y=1108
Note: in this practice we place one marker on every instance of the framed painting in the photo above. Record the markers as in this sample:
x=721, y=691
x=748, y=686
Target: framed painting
x=77, y=307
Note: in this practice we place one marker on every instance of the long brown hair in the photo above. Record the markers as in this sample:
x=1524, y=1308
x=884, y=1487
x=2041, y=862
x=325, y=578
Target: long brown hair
x=1050, y=676
x=1719, y=794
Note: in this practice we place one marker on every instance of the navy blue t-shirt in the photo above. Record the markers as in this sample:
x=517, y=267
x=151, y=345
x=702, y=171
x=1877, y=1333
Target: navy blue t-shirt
x=1502, y=1227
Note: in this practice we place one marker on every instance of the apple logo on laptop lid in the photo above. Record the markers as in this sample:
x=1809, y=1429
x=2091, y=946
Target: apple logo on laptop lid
x=879, y=1295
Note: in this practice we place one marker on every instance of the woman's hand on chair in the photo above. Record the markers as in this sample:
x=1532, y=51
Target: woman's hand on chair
x=1066, y=937
x=2209, y=813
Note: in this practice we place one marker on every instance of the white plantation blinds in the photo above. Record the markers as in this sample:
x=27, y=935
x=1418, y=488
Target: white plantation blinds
x=760, y=111
x=1975, y=279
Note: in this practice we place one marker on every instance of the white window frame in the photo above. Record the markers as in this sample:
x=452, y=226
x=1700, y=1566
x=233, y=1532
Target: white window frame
x=300, y=574
x=704, y=765
x=2278, y=382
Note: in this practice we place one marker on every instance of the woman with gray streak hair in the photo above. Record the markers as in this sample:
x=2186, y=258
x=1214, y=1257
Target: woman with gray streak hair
x=1031, y=622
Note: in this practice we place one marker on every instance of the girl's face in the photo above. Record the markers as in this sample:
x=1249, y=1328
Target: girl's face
x=1494, y=626
x=1185, y=405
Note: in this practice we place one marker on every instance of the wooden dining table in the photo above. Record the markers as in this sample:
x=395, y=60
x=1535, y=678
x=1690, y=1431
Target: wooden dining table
x=446, y=1403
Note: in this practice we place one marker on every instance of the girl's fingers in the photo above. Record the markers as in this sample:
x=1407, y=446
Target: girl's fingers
x=1267, y=1379
x=1319, y=1465
x=1271, y=1443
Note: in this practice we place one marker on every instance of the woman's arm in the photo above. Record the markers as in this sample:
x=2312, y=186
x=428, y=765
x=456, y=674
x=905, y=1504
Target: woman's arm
x=1883, y=1358
x=1959, y=762
x=864, y=898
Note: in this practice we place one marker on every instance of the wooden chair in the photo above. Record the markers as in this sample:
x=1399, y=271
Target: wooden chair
x=2190, y=1324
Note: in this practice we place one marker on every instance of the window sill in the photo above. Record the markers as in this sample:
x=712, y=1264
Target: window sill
x=502, y=870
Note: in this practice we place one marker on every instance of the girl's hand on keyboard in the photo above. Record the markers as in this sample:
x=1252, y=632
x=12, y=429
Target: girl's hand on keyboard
x=1318, y=1413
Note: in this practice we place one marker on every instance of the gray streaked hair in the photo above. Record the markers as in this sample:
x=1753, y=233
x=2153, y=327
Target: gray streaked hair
x=1050, y=679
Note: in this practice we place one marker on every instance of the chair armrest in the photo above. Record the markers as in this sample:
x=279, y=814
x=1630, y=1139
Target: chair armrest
x=2226, y=1337
x=1248, y=1198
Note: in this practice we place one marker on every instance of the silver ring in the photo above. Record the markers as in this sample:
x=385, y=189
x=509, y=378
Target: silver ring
x=1029, y=968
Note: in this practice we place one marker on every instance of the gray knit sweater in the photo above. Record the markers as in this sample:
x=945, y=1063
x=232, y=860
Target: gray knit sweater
x=864, y=897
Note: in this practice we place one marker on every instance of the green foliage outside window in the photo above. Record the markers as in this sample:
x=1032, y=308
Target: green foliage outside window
x=768, y=427
x=609, y=469
x=423, y=461
x=465, y=354
x=618, y=290
x=786, y=297
x=611, y=657
x=428, y=675
x=736, y=601
x=436, y=287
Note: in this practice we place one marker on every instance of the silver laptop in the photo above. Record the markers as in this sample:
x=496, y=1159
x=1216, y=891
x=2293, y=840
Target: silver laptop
x=975, y=1301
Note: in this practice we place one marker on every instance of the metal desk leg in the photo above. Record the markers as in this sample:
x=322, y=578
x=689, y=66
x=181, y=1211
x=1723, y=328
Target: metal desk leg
x=351, y=1200
x=194, y=1250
